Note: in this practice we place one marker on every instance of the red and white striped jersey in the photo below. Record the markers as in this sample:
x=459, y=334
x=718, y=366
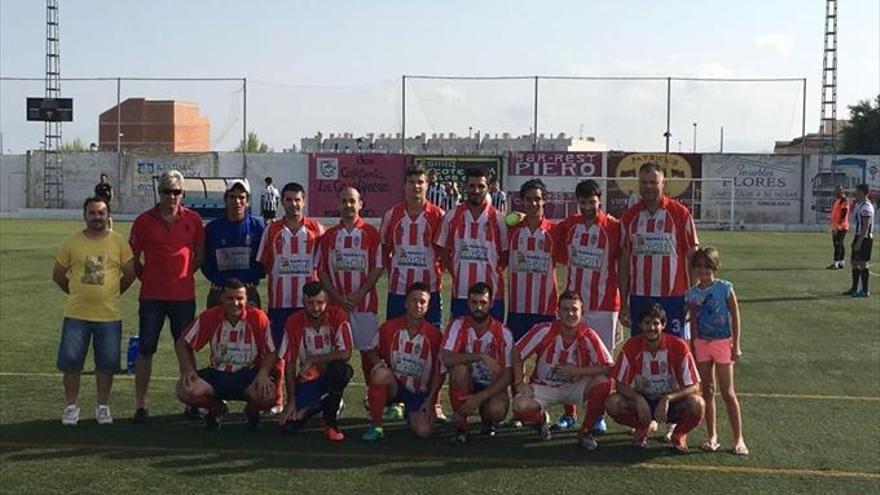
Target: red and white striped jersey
x=302, y=340
x=546, y=341
x=233, y=346
x=348, y=257
x=531, y=269
x=288, y=257
x=653, y=373
x=496, y=341
x=408, y=247
x=476, y=246
x=590, y=254
x=414, y=359
x=658, y=246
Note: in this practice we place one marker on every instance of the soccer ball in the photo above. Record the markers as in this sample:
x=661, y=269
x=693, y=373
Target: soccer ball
x=513, y=218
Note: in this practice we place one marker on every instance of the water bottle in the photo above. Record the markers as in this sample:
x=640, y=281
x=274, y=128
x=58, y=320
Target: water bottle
x=133, y=346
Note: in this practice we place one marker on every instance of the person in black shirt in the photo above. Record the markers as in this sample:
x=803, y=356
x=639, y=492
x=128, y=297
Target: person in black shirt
x=104, y=191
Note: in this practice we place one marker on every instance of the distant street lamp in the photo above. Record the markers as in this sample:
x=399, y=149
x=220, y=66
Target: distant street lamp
x=695, y=137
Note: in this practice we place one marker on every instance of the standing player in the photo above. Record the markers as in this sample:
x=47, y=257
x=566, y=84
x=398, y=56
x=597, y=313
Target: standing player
x=404, y=360
x=320, y=339
x=435, y=193
x=242, y=357
x=231, y=244
x=172, y=241
x=863, y=228
x=571, y=367
x=497, y=195
x=408, y=231
x=349, y=264
x=588, y=243
x=269, y=202
x=839, y=220
x=473, y=246
x=477, y=351
x=655, y=378
x=288, y=252
x=93, y=267
x=658, y=240
x=532, y=272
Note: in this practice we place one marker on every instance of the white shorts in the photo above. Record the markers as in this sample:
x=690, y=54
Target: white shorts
x=605, y=325
x=364, y=327
x=569, y=393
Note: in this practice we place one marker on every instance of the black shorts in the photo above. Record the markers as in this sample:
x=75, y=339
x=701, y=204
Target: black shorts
x=228, y=385
x=268, y=215
x=863, y=254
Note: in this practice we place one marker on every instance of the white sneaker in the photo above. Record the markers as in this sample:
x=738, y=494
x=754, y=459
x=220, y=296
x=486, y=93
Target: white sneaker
x=102, y=414
x=70, y=417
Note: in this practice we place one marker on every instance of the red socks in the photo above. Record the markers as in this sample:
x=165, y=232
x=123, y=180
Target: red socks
x=686, y=423
x=571, y=410
x=377, y=397
x=628, y=418
x=595, y=404
x=279, y=382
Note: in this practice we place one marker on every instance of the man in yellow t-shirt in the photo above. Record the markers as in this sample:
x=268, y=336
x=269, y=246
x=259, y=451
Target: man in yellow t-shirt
x=94, y=267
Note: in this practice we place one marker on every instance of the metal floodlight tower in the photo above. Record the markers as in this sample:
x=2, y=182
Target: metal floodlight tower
x=828, y=119
x=53, y=175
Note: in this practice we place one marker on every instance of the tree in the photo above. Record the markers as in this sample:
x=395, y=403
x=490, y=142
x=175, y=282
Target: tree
x=75, y=146
x=253, y=145
x=862, y=135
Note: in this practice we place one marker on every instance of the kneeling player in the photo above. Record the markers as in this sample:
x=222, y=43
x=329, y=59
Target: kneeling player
x=320, y=339
x=656, y=379
x=572, y=367
x=404, y=359
x=477, y=351
x=242, y=357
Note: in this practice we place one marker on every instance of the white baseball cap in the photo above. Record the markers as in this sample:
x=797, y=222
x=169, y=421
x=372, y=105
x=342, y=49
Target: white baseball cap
x=243, y=183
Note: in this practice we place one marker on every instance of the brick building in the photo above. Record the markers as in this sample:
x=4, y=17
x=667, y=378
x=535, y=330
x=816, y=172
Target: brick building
x=155, y=125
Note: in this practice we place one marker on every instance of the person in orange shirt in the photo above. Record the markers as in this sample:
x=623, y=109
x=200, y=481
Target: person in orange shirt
x=839, y=221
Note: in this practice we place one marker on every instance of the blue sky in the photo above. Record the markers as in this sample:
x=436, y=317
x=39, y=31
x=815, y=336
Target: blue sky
x=335, y=66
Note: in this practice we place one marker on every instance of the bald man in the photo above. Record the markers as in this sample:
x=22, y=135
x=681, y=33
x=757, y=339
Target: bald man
x=349, y=264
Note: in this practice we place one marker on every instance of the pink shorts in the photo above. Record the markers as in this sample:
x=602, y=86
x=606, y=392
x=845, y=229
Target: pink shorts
x=717, y=350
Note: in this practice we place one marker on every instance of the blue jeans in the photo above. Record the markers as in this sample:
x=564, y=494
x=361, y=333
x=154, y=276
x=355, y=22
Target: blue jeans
x=74, y=346
x=152, y=314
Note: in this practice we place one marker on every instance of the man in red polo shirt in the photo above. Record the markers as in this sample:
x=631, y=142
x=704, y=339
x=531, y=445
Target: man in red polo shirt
x=171, y=239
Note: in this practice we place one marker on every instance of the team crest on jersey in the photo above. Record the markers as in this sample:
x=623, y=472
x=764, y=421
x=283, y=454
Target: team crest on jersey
x=664, y=367
x=356, y=242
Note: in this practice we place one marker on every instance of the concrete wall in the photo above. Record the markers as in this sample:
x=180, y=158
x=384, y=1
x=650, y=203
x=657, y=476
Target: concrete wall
x=13, y=182
x=81, y=173
x=769, y=189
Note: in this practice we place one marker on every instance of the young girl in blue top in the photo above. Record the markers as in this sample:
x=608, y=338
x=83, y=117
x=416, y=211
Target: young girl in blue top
x=715, y=327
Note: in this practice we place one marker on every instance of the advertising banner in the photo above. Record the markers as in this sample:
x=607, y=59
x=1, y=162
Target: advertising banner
x=679, y=169
x=452, y=168
x=560, y=172
x=378, y=177
x=766, y=188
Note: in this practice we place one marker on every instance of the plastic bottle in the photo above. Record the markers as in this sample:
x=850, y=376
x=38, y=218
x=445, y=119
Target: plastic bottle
x=133, y=346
